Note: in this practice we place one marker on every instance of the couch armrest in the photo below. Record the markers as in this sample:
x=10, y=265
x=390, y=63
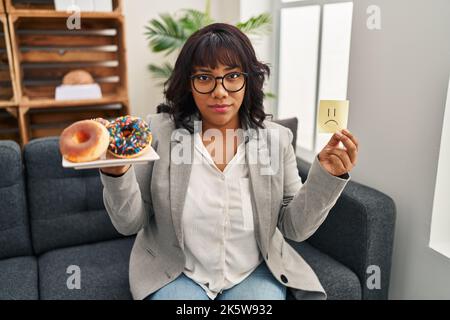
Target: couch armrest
x=359, y=232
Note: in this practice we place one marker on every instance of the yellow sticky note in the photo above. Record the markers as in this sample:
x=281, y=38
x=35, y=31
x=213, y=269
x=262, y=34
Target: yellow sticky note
x=333, y=115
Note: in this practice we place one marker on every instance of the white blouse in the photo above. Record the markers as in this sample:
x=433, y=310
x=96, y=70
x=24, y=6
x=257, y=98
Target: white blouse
x=220, y=244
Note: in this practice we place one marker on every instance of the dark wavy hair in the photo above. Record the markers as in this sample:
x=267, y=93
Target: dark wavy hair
x=209, y=46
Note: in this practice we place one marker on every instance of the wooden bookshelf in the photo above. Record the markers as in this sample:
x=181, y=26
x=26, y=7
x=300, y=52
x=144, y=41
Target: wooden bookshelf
x=2, y=7
x=46, y=8
x=9, y=126
x=7, y=76
x=45, y=122
x=44, y=49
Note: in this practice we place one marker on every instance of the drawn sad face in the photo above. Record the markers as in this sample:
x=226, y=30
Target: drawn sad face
x=331, y=119
x=333, y=115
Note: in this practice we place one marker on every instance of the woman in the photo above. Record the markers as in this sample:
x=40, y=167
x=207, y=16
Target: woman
x=212, y=213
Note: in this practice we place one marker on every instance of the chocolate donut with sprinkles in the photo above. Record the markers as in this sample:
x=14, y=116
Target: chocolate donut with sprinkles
x=129, y=137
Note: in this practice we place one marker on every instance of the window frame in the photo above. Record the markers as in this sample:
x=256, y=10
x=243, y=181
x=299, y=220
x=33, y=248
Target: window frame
x=278, y=5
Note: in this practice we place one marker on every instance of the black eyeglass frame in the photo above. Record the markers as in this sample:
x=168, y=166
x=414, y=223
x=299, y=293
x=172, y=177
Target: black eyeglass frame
x=245, y=74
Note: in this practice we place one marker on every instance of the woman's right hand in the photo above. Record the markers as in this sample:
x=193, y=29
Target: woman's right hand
x=116, y=171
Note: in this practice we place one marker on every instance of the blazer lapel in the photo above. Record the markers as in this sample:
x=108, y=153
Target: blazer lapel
x=180, y=172
x=256, y=157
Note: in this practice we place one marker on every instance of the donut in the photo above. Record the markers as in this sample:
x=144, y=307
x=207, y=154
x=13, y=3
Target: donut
x=103, y=121
x=129, y=137
x=83, y=141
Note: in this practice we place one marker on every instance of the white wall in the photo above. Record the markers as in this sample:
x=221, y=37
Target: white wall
x=397, y=88
x=144, y=94
x=225, y=10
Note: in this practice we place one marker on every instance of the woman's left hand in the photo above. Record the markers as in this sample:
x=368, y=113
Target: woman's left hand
x=338, y=161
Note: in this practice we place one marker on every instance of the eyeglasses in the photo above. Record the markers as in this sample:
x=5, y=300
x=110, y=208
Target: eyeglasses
x=207, y=83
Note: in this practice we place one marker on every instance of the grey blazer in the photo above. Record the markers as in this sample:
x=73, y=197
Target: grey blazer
x=148, y=200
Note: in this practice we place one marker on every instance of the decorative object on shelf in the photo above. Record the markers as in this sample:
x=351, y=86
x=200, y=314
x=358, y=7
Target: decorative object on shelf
x=103, y=5
x=84, y=5
x=78, y=77
x=68, y=5
x=78, y=85
x=78, y=92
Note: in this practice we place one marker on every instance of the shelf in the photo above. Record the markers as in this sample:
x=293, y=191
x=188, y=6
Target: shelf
x=6, y=104
x=42, y=122
x=62, y=14
x=2, y=6
x=7, y=85
x=48, y=103
x=46, y=51
x=46, y=8
x=48, y=122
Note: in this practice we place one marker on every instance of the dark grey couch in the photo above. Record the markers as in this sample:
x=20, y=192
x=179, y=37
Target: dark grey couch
x=52, y=218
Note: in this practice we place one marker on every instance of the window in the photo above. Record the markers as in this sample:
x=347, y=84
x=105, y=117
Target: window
x=440, y=222
x=313, y=61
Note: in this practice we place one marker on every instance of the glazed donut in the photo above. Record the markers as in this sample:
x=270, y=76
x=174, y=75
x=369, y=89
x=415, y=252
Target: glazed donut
x=129, y=137
x=85, y=140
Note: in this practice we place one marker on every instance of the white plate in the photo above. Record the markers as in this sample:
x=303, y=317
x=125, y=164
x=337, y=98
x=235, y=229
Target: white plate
x=148, y=156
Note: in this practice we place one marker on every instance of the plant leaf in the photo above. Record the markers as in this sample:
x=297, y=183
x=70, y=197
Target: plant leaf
x=257, y=25
x=194, y=20
x=161, y=72
x=165, y=34
x=270, y=95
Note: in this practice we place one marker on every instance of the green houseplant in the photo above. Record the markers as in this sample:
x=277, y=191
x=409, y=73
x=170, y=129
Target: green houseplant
x=168, y=33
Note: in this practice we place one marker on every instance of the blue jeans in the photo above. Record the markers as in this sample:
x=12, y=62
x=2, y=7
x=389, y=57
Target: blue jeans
x=259, y=285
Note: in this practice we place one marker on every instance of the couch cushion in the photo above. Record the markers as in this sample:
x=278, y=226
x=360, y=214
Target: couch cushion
x=14, y=227
x=339, y=282
x=66, y=205
x=291, y=123
x=103, y=269
x=19, y=279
